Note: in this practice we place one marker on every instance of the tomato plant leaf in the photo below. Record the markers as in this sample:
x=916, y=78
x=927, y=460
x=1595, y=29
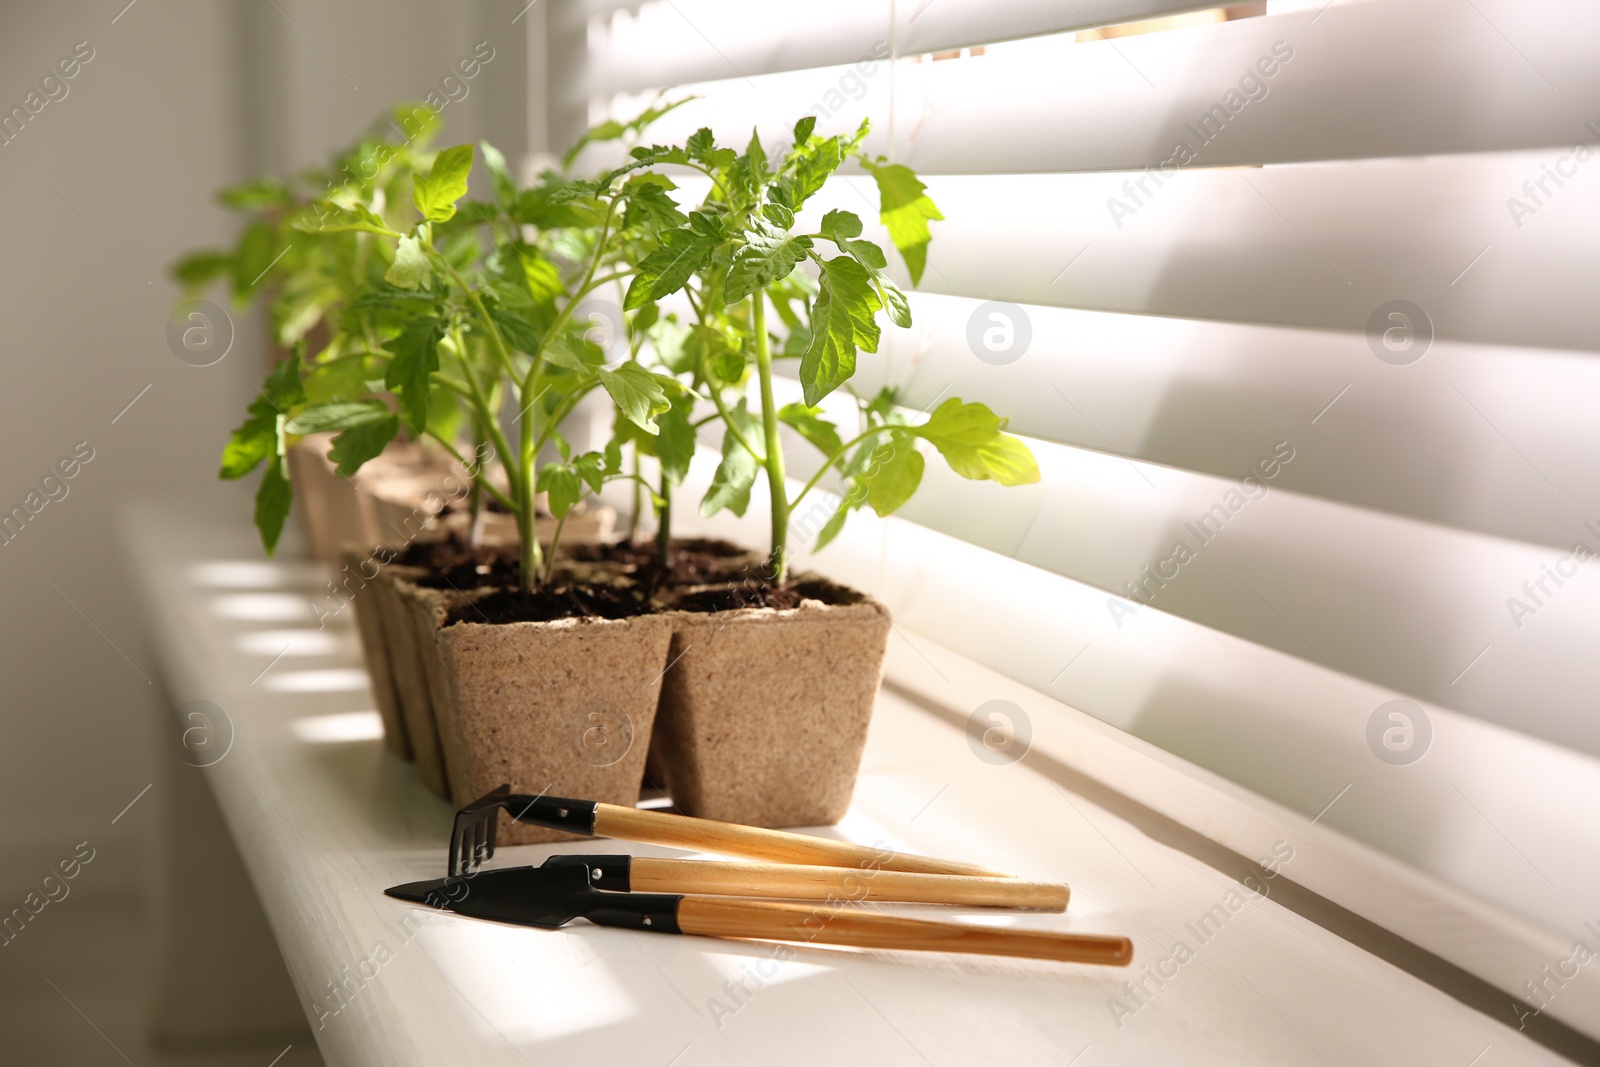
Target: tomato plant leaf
x=809, y=423
x=841, y=322
x=505, y=186
x=273, y=500
x=972, y=440
x=339, y=415
x=906, y=209
x=257, y=437
x=416, y=357
x=435, y=194
x=730, y=486
x=767, y=255
x=894, y=301
x=410, y=269
x=639, y=394
x=682, y=252
x=363, y=441
x=562, y=488
x=893, y=473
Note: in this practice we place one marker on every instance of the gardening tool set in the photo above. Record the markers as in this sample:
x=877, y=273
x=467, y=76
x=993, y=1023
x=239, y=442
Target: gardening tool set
x=724, y=899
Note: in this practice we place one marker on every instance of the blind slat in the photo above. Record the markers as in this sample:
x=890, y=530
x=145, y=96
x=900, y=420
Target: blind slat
x=1321, y=246
x=1209, y=397
x=648, y=45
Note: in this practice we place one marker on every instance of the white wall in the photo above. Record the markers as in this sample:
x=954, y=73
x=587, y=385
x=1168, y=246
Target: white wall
x=181, y=97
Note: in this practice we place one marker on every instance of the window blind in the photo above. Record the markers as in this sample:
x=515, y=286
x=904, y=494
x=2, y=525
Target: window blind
x=1197, y=242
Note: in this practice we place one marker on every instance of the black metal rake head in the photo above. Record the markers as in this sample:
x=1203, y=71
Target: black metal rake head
x=473, y=836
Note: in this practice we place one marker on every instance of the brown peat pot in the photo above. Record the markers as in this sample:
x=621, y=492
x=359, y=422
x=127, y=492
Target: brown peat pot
x=562, y=708
x=764, y=710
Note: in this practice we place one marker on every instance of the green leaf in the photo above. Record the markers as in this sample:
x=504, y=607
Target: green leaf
x=198, y=268
x=416, y=357
x=855, y=495
x=410, y=269
x=248, y=445
x=327, y=217
x=552, y=204
x=778, y=215
x=591, y=468
x=638, y=394
x=866, y=253
x=273, y=501
x=803, y=128
x=574, y=353
x=972, y=441
x=505, y=186
x=768, y=254
x=362, y=442
x=894, y=301
x=841, y=322
x=562, y=488
x=810, y=424
x=515, y=329
x=906, y=209
x=811, y=164
x=338, y=379
x=436, y=193
x=730, y=486
x=252, y=259
x=257, y=438
x=541, y=275
x=840, y=225
x=649, y=204
x=674, y=445
x=893, y=474
x=339, y=415
x=664, y=271
x=263, y=195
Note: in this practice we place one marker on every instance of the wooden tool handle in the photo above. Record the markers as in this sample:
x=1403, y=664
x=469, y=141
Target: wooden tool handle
x=723, y=917
x=774, y=846
x=843, y=884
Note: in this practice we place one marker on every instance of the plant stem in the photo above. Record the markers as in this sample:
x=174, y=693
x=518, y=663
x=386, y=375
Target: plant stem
x=769, y=422
x=638, y=500
x=475, y=502
x=664, y=527
x=485, y=409
x=555, y=541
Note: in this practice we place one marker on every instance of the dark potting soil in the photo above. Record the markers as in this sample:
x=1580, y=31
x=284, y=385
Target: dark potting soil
x=694, y=561
x=551, y=603
x=763, y=594
x=450, y=564
x=625, y=581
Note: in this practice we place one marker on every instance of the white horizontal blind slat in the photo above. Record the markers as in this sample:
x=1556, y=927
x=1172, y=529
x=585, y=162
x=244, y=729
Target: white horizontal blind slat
x=667, y=44
x=647, y=45
x=1210, y=397
x=1383, y=78
x=923, y=26
x=1369, y=79
x=1319, y=245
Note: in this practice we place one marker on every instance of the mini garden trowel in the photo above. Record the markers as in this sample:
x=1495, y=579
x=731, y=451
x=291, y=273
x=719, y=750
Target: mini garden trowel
x=554, y=895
